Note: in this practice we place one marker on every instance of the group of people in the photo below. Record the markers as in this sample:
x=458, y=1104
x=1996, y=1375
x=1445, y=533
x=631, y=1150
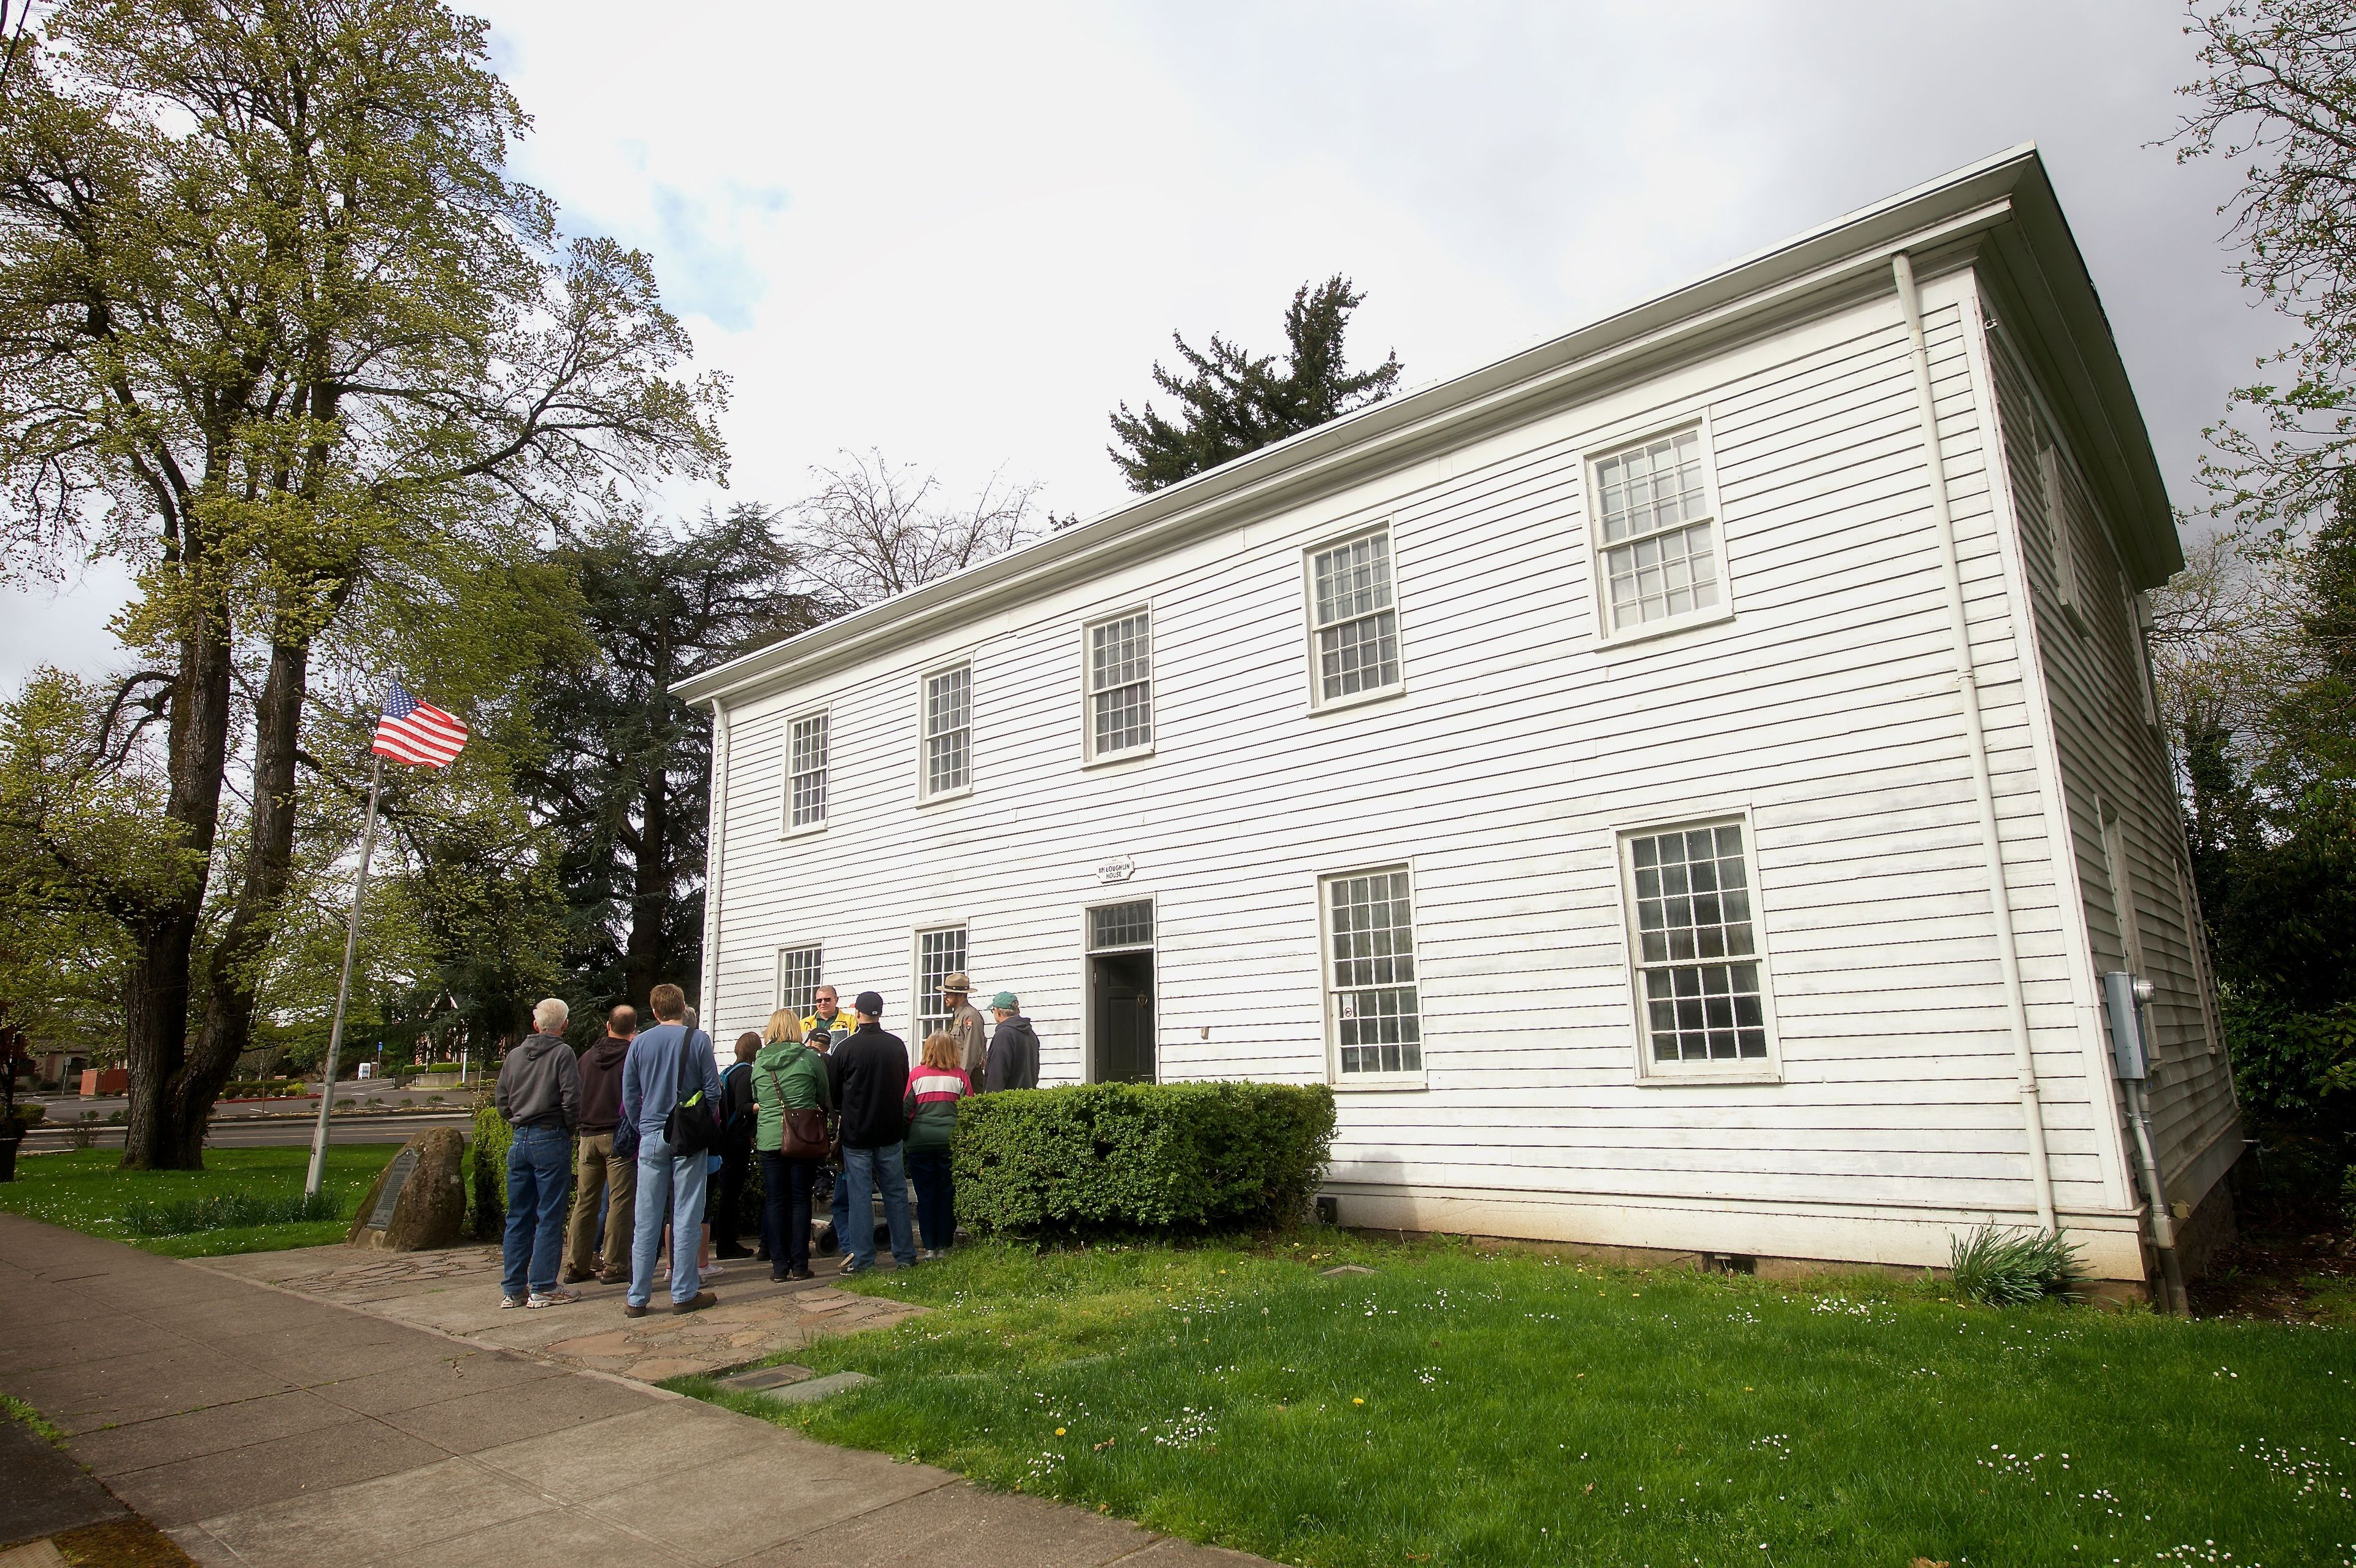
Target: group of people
x=829, y=1102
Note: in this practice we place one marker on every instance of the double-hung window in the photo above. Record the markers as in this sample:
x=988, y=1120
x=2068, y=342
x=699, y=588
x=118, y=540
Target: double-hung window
x=1120, y=686
x=1657, y=535
x=1370, y=986
x=1702, y=1000
x=947, y=761
x=806, y=772
x=941, y=953
x=797, y=979
x=1352, y=617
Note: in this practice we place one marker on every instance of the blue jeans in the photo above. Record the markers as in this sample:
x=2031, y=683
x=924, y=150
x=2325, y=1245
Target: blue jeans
x=670, y=1187
x=839, y=1208
x=862, y=1170
x=539, y=1189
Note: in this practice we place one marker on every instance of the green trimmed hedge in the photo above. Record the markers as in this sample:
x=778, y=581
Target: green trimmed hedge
x=486, y=1169
x=1153, y=1156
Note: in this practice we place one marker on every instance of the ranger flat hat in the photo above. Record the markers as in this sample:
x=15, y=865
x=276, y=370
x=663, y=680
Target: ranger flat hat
x=956, y=982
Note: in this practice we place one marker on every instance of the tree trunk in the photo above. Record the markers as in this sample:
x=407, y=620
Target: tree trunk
x=235, y=971
x=649, y=892
x=155, y=1000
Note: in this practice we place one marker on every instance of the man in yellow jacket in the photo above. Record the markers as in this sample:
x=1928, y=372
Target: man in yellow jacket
x=828, y=1016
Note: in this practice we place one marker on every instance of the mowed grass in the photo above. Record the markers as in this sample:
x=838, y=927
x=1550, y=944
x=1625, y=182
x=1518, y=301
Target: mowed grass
x=87, y=1189
x=1456, y=1407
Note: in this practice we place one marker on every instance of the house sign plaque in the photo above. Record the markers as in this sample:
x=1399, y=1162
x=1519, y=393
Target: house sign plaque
x=1119, y=869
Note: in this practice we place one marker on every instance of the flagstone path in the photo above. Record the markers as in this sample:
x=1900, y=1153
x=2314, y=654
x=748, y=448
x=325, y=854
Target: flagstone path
x=266, y=1425
x=456, y=1293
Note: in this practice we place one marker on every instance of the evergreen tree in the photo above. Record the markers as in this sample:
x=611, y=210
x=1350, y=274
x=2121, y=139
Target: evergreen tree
x=1233, y=402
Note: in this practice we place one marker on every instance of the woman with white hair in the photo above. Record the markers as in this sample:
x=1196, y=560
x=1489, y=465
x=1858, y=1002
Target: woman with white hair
x=540, y=1095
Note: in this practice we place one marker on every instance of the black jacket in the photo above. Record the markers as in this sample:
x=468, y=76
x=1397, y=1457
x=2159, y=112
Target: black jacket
x=1013, y=1056
x=736, y=1102
x=868, y=1072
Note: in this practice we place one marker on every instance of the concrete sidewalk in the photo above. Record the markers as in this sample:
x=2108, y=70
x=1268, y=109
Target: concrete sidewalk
x=261, y=1427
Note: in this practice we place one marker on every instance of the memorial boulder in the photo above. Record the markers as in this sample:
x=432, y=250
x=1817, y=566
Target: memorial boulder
x=419, y=1200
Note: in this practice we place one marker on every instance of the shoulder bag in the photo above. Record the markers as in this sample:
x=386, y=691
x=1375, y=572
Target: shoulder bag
x=802, y=1133
x=693, y=1125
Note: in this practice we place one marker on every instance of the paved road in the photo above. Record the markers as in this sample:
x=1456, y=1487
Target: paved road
x=274, y=1134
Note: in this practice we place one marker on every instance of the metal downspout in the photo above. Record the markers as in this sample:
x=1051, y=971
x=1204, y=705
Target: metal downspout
x=2032, y=1110
x=715, y=843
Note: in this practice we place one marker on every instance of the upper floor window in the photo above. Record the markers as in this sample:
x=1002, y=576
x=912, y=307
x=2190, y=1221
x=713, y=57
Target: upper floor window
x=1353, y=618
x=949, y=730
x=1658, y=548
x=1120, y=686
x=1371, y=999
x=806, y=771
x=1702, y=1000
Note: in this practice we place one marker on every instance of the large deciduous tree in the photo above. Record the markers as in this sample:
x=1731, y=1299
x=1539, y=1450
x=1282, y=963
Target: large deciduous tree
x=626, y=788
x=875, y=527
x=276, y=322
x=1231, y=402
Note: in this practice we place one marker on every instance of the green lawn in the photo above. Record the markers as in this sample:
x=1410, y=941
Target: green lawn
x=87, y=1189
x=1454, y=1407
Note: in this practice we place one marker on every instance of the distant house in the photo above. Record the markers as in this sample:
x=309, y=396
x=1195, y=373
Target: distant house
x=1677, y=795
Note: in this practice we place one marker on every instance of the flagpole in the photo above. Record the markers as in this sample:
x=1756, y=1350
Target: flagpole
x=342, y=989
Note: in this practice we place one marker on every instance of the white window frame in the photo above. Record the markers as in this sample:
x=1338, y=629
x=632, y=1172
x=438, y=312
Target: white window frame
x=1089, y=754
x=2057, y=523
x=922, y=1009
x=818, y=976
x=925, y=793
x=1599, y=551
x=1739, y=1069
x=825, y=772
x=1318, y=700
x=1327, y=1006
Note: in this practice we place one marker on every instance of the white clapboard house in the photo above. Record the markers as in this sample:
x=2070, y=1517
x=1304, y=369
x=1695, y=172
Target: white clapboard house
x=1680, y=784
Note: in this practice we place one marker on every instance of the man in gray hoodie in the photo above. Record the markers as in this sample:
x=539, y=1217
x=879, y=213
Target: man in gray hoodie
x=1014, y=1048
x=540, y=1095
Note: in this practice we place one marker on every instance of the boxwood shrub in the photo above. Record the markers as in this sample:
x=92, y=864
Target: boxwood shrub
x=486, y=1169
x=1159, y=1156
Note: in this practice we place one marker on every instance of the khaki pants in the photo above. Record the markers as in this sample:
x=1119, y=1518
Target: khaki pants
x=601, y=1178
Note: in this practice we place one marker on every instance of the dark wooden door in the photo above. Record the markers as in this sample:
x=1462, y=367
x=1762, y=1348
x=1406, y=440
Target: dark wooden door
x=1122, y=1024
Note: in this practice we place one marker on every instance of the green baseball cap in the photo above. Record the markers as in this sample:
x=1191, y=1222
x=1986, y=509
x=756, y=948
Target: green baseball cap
x=1002, y=1003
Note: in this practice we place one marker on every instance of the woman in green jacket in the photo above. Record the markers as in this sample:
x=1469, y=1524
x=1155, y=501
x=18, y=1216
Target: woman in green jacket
x=788, y=1076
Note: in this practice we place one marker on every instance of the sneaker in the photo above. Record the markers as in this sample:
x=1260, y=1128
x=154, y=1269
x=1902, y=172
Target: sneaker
x=632, y=1309
x=709, y=1271
x=799, y=1273
x=780, y=1276
x=507, y=1301
x=853, y=1267
x=541, y=1298
x=703, y=1298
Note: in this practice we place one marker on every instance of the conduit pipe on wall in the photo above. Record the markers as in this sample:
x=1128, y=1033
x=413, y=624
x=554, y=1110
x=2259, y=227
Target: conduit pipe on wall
x=2032, y=1110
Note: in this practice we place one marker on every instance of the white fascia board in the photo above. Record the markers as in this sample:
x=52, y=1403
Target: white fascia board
x=1952, y=208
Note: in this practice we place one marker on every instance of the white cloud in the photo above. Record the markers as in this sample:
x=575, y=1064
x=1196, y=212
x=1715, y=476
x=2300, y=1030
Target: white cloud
x=962, y=233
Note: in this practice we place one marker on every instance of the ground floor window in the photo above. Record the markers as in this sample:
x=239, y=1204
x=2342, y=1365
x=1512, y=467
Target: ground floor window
x=1700, y=984
x=1370, y=988
x=941, y=953
x=798, y=978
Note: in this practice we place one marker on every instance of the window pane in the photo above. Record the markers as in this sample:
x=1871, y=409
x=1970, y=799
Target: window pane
x=1119, y=651
x=1122, y=925
x=1122, y=719
x=945, y=701
x=808, y=770
x=1121, y=684
x=1358, y=656
x=939, y=954
x=945, y=763
x=797, y=978
x=1353, y=578
x=1668, y=574
x=1693, y=913
x=1377, y=1021
x=948, y=732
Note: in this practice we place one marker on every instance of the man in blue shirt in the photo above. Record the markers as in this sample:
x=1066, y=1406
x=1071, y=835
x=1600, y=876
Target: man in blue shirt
x=669, y=1186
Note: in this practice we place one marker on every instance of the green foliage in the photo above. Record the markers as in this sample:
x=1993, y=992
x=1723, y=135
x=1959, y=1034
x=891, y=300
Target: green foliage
x=1102, y=1156
x=261, y=1088
x=2012, y=1268
x=227, y=1211
x=1515, y=1402
x=486, y=1169
x=90, y=1190
x=1235, y=402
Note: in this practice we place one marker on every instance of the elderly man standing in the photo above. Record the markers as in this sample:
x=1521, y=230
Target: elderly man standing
x=540, y=1095
x=606, y=1186
x=964, y=1024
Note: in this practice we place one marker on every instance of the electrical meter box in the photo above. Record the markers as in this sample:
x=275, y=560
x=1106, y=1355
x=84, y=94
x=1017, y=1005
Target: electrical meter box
x=2123, y=998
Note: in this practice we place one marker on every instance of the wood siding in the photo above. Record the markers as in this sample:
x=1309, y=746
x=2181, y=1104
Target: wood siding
x=2115, y=770
x=1826, y=708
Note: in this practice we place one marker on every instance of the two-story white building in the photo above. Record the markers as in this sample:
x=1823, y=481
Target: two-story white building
x=1680, y=784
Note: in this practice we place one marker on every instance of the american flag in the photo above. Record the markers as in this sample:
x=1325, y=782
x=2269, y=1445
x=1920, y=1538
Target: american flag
x=414, y=731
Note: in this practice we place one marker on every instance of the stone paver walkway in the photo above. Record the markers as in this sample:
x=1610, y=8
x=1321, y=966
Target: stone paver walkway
x=265, y=1427
x=457, y=1291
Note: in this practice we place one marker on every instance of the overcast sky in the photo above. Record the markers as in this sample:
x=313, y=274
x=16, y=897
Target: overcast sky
x=962, y=234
